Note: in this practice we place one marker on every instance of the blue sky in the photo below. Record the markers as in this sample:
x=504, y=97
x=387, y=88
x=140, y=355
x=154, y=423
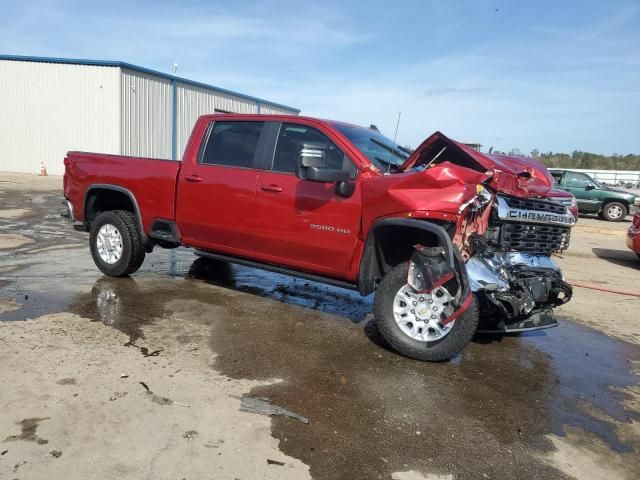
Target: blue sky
x=552, y=75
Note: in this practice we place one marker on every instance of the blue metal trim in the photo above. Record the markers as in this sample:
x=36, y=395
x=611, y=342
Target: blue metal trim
x=174, y=120
x=129, y=66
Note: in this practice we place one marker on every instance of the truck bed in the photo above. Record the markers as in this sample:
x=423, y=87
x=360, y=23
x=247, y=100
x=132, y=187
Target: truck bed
x=151, y=181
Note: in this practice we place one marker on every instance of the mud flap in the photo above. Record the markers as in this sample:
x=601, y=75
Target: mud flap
x=431, y=270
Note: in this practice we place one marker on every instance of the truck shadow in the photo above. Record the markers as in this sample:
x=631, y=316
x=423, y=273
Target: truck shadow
x=624, y=258
x=304, y=293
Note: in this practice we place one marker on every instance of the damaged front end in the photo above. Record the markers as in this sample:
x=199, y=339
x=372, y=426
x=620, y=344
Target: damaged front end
x=508, y=242
x=506, y=232
x=516, y=291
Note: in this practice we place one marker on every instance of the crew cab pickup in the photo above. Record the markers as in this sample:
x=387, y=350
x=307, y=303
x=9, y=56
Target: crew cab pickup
x=445, y=236
x=592, y=196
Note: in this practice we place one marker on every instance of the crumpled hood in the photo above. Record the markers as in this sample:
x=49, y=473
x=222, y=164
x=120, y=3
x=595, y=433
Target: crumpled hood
x=518, y=176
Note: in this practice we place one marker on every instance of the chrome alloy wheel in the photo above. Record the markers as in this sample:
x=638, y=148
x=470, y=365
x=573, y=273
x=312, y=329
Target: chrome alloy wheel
x=109, y=243
x=420, y=315
x=614, y=211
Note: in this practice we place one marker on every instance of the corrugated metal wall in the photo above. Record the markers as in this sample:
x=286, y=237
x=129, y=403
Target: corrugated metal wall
x=195, y=101
x=146, y=115
x=271, y=110
x=47, y=109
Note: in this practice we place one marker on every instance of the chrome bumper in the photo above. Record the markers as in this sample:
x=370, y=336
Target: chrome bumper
x=67, y=212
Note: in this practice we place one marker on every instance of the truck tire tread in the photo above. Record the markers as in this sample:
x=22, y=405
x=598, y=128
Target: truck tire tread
x=460, y=335
x=133, y=253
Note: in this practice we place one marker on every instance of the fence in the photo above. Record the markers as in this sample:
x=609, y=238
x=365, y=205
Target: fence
x=612, y=177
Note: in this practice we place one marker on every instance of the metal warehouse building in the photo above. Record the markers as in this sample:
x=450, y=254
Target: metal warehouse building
x=49, y=106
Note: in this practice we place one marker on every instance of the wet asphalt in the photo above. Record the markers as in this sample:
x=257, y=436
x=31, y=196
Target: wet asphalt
x=371, y=412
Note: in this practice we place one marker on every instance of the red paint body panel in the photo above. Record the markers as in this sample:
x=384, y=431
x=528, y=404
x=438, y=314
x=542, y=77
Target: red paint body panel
x=633, y=235
x=278, y=218
x=305, y=224
x=522, y=177
x=152, y=182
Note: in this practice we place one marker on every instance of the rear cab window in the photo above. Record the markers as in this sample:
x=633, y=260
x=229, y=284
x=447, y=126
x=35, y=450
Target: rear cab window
x=231, y=144
x=292, y=136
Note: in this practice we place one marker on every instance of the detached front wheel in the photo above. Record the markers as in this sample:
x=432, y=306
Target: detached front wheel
x=116, y=244
x=411, y=323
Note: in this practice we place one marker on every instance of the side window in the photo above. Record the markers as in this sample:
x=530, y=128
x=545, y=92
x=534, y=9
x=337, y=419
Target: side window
x=557, y=176
x=232, y=144
x=290, y=141
x=578, y=180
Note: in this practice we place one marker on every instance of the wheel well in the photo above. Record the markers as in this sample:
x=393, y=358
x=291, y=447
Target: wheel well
x=617, y=200
x=390, y=245
x=103, y=199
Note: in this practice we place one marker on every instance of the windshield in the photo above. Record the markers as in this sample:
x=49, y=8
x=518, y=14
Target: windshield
x=382, y=152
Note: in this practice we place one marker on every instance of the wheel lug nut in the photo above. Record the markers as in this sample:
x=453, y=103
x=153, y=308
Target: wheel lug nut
x=413, y=311
x=422, y=299
x=433, y=317
x=414, y=303
x=430, y=301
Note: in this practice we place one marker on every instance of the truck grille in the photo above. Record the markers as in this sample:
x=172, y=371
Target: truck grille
x=535, y=204
x=535, y=239
x=532, y=225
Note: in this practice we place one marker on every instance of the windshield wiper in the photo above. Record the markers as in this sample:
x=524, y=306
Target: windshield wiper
x=388, y=164
x=397, y=153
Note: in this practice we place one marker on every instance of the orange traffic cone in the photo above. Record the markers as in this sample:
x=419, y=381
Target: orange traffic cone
x=43, y=170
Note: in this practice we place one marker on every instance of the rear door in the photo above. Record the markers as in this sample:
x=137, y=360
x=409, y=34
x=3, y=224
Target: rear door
x=217, y=192
x=304, y=224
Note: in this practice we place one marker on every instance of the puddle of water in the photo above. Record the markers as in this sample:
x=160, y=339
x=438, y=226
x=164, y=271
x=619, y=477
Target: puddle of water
x=371, y=412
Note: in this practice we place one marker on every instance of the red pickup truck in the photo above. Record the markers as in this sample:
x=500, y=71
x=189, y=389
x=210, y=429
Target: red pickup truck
x=445, y=236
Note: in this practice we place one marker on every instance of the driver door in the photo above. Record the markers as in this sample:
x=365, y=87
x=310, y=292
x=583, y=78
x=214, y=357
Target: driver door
x=585, y=191
x=300, y=223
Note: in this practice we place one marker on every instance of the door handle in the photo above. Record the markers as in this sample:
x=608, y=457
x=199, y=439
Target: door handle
x=271, y=188
x=193, y=178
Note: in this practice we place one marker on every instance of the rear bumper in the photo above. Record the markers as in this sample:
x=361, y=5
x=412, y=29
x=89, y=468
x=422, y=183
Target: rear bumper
x=68, y=212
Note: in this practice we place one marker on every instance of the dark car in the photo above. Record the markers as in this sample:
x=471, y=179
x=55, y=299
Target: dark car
x=594, y=197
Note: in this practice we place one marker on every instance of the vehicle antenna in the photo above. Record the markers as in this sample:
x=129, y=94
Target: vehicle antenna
x=395, y=135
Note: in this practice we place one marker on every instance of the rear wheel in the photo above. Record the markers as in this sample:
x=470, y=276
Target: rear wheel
x=411, y=322
x=116, y=244
x=614, y=211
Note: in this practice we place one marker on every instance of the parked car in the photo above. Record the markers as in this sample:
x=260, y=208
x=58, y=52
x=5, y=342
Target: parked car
x=594, y=197
x=633, y=235
x=444, y=235
x=565, y=198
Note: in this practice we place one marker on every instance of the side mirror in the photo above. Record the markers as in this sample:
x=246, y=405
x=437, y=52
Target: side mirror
x=313, y=164
x=313, y=154
x=326, y=175
x=590, y=187
x=345, y=189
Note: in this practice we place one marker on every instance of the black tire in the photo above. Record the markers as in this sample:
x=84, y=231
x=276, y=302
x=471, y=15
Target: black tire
x=444, y=349
x=133, y=252
x=607, y=213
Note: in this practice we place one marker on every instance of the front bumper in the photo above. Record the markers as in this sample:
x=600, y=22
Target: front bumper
x=516, y=291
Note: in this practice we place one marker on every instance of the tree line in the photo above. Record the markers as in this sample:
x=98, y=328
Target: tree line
x=586, y=160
